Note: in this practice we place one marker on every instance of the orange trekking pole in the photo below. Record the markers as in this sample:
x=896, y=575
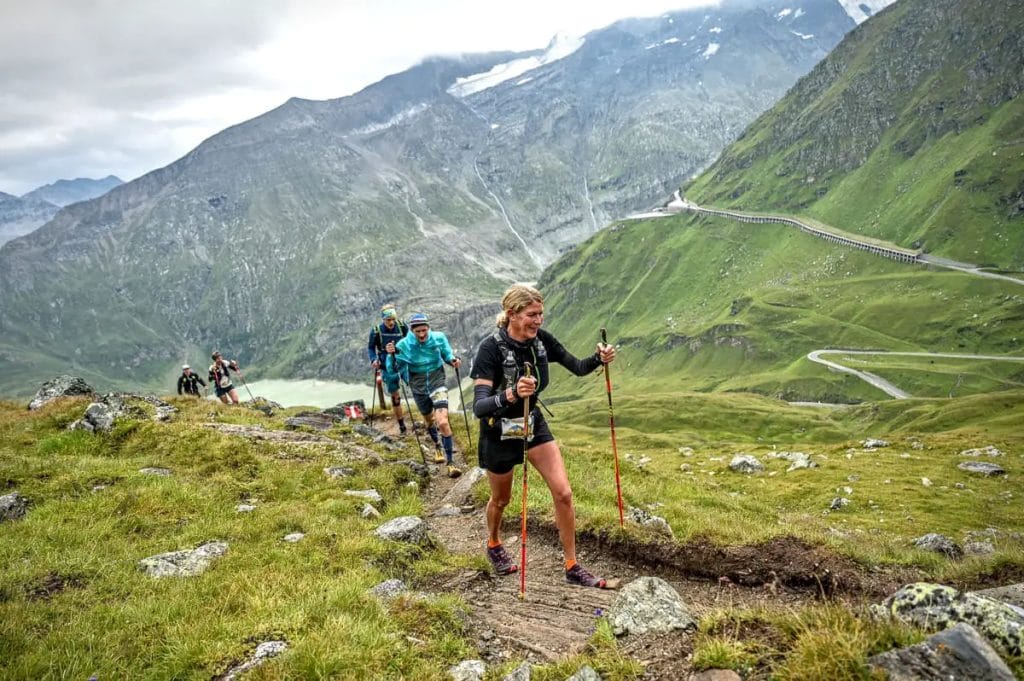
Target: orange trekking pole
x=611, y=422
x=526, y=465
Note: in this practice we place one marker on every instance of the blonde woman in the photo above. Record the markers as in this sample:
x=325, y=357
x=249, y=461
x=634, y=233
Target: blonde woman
x=500, y=386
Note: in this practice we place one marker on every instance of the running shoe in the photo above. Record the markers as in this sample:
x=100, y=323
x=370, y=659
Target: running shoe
x=501, y=561
x=453, y=471
x=579, y=576
x=439, y=456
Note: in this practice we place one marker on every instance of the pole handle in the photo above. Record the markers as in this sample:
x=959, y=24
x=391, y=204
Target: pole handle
x=604, y=336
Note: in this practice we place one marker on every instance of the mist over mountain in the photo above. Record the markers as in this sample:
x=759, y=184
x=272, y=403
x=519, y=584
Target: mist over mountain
x=21, y=215
x=65, y=192
x=278, y=238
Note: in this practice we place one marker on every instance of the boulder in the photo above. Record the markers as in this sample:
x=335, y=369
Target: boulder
x=468, y=670
x=935, y=606
x=585, y=673
x=370, y=495
x=648, y=519
x=389, y=589
x=61, y=386
x=648, y=604
x=187, y=563
x=745, y=463
x=13, y=506
x=408, y=529
x=981, y=468
x=956, y=653
x=520, y=673
x=939, y=543
x=310, y=419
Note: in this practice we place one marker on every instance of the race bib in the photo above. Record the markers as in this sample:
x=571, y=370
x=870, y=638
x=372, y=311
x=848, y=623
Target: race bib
x=224, y=381
x=512, y=429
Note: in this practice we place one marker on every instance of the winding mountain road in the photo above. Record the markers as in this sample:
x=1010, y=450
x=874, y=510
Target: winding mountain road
x=882, y=384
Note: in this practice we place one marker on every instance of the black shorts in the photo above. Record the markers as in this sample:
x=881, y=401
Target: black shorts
x=500, y=456
x=223, y=391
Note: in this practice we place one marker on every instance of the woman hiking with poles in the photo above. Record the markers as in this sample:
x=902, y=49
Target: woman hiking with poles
x=220, y=378
x=501, y=385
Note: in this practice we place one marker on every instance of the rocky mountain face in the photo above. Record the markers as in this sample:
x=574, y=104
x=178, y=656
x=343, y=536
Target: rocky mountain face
x=65, y=192
x=276, y=240
x=21, y=215
x=909, y=131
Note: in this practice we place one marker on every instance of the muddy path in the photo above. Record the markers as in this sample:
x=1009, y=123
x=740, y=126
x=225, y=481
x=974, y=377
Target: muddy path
x=555, y=620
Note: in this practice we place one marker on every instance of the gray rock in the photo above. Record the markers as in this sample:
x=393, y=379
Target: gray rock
x=872, y=443
x=13, y=506
x=988, y=450
x=1010, y=594
x=369, y=512
x=461, y=492
x=585, y=673
x=648, y=519
x=294, y=537
x=979, y=548
x=468, y=670
x=415, y=466
x=447, y=511
x=370, y=495
x=245, y=508
x=100, y=416
x=61, y=386
x=648, y=604
x=745, y=463
x=162, y=472
x=389, y=589
x=939, y=543
x=335, y=472
x=314, y=420
x=184, y=563
x=263, y=652
x=935, y=606
x=838, y=503
x=956, y=653
x=981, y=468
x=797, y=460
x=81, y=424
x=367, y=431
x=409, y=529
x=520, y=673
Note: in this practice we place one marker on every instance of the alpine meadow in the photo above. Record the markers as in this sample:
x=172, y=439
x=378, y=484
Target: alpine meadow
x=781, y=248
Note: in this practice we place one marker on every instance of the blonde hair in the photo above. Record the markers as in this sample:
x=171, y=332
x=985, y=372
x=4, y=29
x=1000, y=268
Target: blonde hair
x=516, y=299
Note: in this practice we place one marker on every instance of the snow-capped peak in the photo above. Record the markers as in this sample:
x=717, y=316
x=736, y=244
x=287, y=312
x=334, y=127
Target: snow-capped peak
x=860, y=10
x=561, y=46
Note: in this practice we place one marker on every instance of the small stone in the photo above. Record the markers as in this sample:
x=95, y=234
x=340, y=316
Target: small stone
x=293, y=537
x=245, y=508
x=981, y=468
x=369, y=512
x=926, y=482
x=162, y=472
x=838, y=503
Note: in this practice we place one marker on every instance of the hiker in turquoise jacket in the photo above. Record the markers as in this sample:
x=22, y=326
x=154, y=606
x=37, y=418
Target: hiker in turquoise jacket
x=420, y=358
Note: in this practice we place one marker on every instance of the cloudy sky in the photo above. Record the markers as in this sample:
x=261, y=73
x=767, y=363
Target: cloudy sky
x=90, y=88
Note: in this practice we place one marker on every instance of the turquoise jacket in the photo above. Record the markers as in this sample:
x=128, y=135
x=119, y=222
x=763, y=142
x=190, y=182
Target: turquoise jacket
x=422, y=358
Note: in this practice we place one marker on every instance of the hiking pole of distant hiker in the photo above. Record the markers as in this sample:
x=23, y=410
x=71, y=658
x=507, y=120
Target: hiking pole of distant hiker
x=410, y=406
x=239, y=372
x=462, y=402
x=373, y=393
x=526, y=465
x=611, y=423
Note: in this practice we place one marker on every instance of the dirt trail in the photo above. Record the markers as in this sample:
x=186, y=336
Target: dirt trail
x=556, y=619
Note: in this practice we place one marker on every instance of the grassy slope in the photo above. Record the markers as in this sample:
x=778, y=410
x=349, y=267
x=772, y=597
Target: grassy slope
x=900, y=134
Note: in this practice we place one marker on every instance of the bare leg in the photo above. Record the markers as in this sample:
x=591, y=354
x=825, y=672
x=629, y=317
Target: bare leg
x=501, y=492
x=547, y=459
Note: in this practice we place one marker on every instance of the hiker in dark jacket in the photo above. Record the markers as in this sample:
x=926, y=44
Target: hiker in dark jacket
x=189, y=382
x=220, y=379
x=500, y=386
x=383, y=338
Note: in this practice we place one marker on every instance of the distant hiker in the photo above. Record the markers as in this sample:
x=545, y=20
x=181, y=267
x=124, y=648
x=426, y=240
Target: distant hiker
x=420, y=358
x=220, y=379
x=500, y=385
x=189, y=382
x=383, y=338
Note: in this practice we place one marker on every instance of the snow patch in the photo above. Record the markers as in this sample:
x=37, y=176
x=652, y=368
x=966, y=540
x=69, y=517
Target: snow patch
x=802, y=36
x=797, y=14
x=783, y=14
x=861, y=10
x=561, y=46
x=663, y=42
x=524, y=80
x=400, y=117
x=716, y=29
x=712, y=48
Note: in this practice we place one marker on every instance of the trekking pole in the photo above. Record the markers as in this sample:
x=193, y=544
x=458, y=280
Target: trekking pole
x=526, y=465
x=373, y=393
x=239, y=372
x=462, y=401
x=611, y=422
x=412, y=419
